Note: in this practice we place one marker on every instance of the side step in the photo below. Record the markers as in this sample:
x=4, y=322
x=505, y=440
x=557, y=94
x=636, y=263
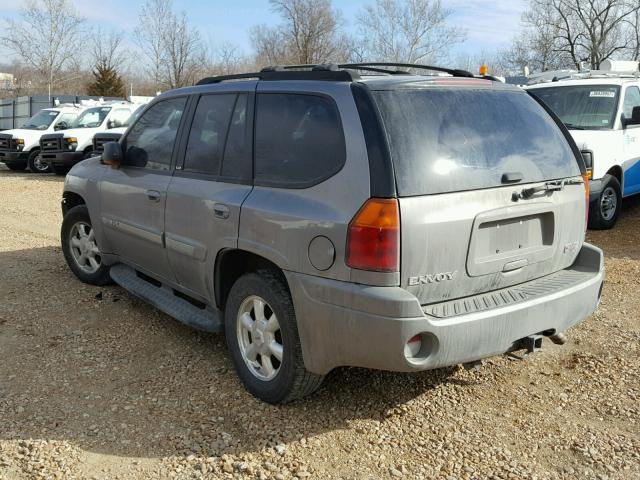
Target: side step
x=163, y=298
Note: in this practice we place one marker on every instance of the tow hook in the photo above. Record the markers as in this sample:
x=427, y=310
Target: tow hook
x=558, y=338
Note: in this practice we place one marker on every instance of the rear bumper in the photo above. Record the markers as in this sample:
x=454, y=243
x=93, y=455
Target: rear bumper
x=344, y=324
x=66, y=159
x=8, y=156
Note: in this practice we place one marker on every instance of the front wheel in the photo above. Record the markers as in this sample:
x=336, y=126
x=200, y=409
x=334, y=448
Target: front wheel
x=35, y=163
x=262, y=336
x=80, y=248
x=604, y=212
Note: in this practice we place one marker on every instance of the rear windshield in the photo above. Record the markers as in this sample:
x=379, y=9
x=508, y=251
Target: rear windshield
x=582, y=107
x=452, y=139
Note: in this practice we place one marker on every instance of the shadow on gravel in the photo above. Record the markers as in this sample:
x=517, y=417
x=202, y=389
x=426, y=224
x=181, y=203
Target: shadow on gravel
x=623, y=240
x=27, y=174
x=100, y=369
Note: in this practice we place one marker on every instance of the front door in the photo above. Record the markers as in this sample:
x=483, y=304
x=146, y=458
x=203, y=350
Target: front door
x=631, y=164
x=133, y=197
x=209, y=187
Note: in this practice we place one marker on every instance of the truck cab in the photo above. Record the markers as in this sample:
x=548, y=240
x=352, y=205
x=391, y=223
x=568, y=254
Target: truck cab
x=63, y=150
x=602, y=112
x=20, y=147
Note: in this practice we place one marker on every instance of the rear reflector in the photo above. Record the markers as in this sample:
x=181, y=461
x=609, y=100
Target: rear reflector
x=373, y=241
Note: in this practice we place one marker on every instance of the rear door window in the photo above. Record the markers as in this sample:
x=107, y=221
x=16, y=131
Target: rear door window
x=299, y=140
x=209, y=133
x=454, y=139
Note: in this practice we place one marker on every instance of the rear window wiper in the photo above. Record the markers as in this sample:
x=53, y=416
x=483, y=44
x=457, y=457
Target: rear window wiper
x=552, y=186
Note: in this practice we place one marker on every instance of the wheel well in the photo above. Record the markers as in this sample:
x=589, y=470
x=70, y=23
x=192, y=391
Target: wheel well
x=616, y=172
x=70, y=200
x=231, y=265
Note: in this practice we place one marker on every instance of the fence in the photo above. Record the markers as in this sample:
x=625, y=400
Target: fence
x=14, y=112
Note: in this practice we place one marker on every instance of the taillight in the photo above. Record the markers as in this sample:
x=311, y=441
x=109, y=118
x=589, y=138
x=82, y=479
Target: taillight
x=373, y=240
x=586, y=177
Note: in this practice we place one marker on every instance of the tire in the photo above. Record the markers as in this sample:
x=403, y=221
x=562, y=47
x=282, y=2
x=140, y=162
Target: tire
x=60, y=169
x=291, y=380
x=603, y=213
x=78, y=246
x=16, y=166
x=36, y=165
x=88, y=154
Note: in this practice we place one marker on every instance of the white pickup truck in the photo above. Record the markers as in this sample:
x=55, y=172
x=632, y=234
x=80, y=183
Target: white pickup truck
x=63, y=150
x=601, y=109
x=20, y=147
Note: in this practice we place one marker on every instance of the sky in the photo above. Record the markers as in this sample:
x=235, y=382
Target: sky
x=490, y=24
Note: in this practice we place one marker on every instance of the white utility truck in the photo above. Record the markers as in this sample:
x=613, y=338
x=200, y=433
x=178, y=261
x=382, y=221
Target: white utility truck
x=601, y=109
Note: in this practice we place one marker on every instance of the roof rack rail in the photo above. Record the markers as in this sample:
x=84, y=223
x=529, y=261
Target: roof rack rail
x=344, y=72
x=451, y=71
x=279, y=73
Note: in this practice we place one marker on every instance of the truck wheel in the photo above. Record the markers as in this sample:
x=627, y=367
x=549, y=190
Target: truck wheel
x=604, y=213
x=80, y=248
x=88, y=154
x=262, y=336
x=36, y=165
x=16, y=166
x=60, y=169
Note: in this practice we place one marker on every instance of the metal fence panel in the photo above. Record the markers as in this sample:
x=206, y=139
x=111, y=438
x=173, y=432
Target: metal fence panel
x=14, y=112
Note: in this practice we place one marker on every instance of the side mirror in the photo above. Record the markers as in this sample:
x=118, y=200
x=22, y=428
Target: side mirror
x=61, y=126
x=635, y=118
x=112, y=154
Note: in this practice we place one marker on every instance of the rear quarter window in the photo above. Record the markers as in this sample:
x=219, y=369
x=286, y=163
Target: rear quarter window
x=299, y=141
x=454, y=139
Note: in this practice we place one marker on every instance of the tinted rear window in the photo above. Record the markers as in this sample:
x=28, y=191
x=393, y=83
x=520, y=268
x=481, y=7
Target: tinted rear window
x=299, y=140
x=447, y=140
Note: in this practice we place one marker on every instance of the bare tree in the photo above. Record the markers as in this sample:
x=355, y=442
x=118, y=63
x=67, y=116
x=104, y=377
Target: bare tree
x=569, y=33
x=46, y=38
x=183, y=51
x=310, y=34
x=409, y=31
x=106, y=49
x=150, y=36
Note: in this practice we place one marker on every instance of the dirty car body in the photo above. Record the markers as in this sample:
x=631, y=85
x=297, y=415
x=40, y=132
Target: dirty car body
x=414, y=221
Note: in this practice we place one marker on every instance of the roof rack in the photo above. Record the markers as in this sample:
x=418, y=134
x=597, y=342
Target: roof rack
x=451, y=71
x=334, y=72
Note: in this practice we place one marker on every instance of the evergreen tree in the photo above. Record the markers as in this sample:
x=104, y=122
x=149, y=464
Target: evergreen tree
x=107, y=82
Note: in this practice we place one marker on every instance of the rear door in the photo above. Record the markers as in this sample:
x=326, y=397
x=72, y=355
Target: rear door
x=211, y=182
x=462, y=158
x=133, y=197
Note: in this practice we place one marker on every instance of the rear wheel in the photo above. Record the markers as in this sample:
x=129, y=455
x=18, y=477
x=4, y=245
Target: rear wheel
x=16, y=166
x=604, y=212
x=36, y=165
x=262, y=336
x=80, y=248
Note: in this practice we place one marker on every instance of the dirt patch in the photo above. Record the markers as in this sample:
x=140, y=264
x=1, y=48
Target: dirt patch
x=96, y=384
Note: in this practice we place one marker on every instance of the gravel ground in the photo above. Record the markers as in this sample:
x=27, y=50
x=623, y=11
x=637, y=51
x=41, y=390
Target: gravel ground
x=96, y=384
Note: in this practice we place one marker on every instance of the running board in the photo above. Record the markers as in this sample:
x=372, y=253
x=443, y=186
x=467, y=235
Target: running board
x=164, y=298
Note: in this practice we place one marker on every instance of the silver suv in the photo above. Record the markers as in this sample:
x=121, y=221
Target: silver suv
x=323, y=218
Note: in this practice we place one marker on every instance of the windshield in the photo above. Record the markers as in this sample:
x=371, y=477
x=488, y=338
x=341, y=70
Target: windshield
x=453, y=139
x=41, y=120
x=91, y=118
x=582, y=107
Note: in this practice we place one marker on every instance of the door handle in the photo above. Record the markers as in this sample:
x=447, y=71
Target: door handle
x=154, y=195
x=221, y=211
